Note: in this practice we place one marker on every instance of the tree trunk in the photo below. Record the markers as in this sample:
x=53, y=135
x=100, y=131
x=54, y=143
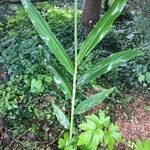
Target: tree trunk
x=90, y=14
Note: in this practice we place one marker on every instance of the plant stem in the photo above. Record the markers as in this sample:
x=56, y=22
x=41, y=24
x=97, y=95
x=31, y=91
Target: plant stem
x=75, y=70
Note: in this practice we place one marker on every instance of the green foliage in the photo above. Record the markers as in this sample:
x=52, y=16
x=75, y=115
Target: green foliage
x=61, y=81
x=48, y=36
x=97, y=34
x=22, y=56
x=33, y=12
x=142, y=145
x=147, y=108
x=96, y=131
x=145, y=77
x=61, y=117
x=108, y=64
x=101, y=29
x=34, y=67
x=93, y=101
x=15, y=98
x=37, y=85
x=134, y=33
x=143, y=26
x=28, y=49
x=65, y=143
x=28, y=80
x=23, y=110
x=12, y=95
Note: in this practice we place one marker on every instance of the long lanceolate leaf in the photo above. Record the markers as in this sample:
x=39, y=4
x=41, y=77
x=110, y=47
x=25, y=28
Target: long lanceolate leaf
x=61, y=117
x=93, y=101
x=61, y=80
x=47, y=35
x=102, y=28
x=107, y=64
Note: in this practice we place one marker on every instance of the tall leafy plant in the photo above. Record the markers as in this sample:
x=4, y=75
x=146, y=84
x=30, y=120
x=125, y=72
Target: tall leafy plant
x=102, y=28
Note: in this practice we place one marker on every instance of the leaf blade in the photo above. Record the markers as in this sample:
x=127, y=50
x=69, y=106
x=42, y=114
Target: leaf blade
x=61, y=117
x=101, y=29
x=93, y=101
x=61, y=81
x=84, y=138
x=107, y=64
x=97, y=136
x=47, y=35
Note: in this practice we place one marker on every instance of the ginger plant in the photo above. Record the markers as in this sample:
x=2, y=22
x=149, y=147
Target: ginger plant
x=69, y=88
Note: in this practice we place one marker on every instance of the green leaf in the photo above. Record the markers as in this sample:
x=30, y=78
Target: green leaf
x=147, y=145
x=85, y=138
x=103, y=119
x=69, y=148
x=113, y=128
x=94, y=118
x=97, y=137
x=93, y=101
x=110, y=2
x=107, y=64
x=142, y=146
x=139, y=145
x=102, y=28
x=61, y=80
x=90, y=138
x=61, y=117
x=48, y=79
x=141, y=77
x=147, y=108
x=36, y=86
x=111, y=136
x=116, y=136
x=65, y=143
x=47, y=35
x=147, y=77
x=98, y=133
x=111, y=142
x=88, y=126
x=114, y=132
x=61, y=143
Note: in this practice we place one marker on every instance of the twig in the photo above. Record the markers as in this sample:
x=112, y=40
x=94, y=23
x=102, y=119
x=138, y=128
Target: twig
x=57, y=138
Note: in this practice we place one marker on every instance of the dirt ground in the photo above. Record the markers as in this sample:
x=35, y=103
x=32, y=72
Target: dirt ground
x=138, y=126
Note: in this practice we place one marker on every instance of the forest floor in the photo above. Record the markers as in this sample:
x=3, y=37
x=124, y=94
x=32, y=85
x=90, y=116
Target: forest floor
x=138, y=125
x=133, y=121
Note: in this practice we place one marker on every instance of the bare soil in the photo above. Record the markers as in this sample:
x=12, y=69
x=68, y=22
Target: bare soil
x=138, y=126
